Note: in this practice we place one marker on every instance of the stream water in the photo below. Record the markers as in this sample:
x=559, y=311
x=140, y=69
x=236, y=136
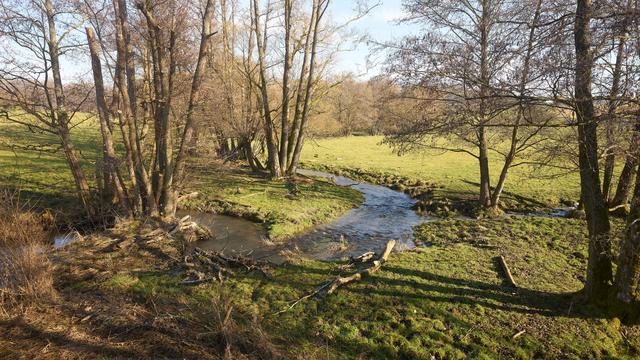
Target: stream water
x=385, y=214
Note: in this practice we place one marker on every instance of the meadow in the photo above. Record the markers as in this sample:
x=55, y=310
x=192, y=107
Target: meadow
x=456, y=173
x=444, y=300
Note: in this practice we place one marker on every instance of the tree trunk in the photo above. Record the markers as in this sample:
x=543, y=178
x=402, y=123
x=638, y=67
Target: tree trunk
x=485, y=180
x=599, y=272
x=113, y=191
x=320, y=7
x=497, y=192
x=261, y=44
x=610, y=160
x=626, y=176
x=628, y=272
x=288, y=59
x=61, y=116
x=125, y=82
x=483, y=154
x=194, y=98
x=295, y=128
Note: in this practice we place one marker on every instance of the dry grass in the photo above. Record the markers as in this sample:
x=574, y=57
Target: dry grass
x=25, y=271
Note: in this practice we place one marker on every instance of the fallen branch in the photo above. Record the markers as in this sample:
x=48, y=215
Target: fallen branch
x=506, y=271
x=377, y=264
x=329, y=287
x=208, y=265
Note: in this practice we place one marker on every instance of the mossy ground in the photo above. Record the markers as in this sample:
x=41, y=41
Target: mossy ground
x=445, y=300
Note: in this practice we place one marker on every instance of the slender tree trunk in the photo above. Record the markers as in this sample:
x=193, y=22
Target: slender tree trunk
x=628, y=271
x=483, y=151
x=194, y=98
x=127, y=88
x=610, y=159
x=261, y=44
x=508, y=161
x=622, y=192
x=295, y=128
x=113, y=185
x=599, y=271
x=626, y=176
x=485, y=180
x=61, y=116
x=320, y=7
x=288, y=59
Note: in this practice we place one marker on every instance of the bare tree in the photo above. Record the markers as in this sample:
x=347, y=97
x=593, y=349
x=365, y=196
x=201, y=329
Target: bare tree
x=283, y=155
x=471, y=77
x=32, y=88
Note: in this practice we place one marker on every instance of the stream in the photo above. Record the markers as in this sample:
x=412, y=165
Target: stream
x=385, y=214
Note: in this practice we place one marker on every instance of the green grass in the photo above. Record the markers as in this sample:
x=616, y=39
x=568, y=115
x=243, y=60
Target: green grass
x=236, y=191
x=443, y=301
x=33, y=162
x=458, y=173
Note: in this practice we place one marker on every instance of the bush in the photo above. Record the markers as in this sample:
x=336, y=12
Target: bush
x=25, y=271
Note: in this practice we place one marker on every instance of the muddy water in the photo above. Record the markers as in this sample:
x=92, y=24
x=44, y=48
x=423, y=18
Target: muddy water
x=385, y=214
x=235, y=236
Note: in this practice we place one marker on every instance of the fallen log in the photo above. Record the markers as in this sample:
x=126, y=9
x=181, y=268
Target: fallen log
x=506, y=271
x=331, y=287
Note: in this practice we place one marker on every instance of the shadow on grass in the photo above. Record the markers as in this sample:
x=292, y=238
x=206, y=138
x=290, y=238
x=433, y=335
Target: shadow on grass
x=523, y=199
x=445, y=289
x=22, y=330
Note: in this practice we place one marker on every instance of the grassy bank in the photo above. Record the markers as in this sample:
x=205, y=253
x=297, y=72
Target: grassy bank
x=443, y=301
x=456, y=174
x=286, y=208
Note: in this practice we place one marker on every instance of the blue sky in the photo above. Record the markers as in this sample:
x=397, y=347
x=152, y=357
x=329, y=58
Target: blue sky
x=380, y=24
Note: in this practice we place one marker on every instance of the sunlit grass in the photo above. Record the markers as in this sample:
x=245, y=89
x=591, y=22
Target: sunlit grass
x=457, y=172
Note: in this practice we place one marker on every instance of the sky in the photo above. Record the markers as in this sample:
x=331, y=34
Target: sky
x=380, y=25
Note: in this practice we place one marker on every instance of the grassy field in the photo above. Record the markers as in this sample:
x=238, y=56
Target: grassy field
x=34, y=162
x=457, y=173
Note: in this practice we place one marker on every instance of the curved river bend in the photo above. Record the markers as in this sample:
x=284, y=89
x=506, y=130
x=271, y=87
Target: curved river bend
x=385, y=214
